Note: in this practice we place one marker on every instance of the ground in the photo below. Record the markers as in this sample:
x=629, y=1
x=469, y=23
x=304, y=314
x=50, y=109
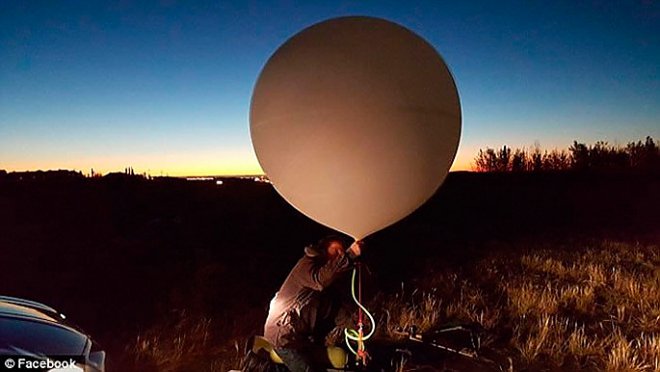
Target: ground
x=561, y=269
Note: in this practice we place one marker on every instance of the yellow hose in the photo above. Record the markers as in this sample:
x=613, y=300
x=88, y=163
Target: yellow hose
x=354, y=334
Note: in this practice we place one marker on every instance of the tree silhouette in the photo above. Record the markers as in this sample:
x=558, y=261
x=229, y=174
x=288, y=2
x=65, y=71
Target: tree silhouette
x=643, y=156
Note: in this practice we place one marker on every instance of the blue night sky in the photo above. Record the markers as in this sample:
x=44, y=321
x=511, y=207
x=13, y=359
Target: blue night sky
x=165, y=86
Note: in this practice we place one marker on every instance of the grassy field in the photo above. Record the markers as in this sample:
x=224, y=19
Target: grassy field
x=579, y=306
x=574, y=307
x=169, y=275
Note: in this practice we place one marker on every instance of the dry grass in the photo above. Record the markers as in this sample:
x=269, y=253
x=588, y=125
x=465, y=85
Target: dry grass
x=594, y=306
x=419, y=309
x=584, y=347
x=184, y=342
x=590, y=307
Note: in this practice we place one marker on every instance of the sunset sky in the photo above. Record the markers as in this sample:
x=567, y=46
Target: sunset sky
x=165, y=86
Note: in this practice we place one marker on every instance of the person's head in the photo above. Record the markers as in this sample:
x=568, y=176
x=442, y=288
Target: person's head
x=331, y=247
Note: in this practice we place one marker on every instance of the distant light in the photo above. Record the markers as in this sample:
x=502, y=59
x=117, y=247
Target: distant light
x=261, y=179
x=219, y=182
x=199, y=179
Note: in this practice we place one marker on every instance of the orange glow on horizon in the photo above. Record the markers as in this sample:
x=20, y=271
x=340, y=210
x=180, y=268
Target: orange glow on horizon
x=182, y=171
x=461, y=164
x=236, y=163
x=231, y=163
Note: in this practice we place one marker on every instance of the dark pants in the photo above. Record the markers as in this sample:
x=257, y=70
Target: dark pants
x=316, y=321
x=312, y=359
x=297, y=361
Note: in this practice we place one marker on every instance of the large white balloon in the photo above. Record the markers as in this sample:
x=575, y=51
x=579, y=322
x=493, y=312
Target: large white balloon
x=356, y=122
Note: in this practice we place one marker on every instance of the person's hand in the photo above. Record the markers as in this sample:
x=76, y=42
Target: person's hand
x=356, y=248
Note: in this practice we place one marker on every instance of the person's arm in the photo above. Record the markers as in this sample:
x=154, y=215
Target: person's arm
x=317, y=277
x=320, y=277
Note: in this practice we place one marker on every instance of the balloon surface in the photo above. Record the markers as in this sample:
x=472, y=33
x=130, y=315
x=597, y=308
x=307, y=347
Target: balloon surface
x=356, y=122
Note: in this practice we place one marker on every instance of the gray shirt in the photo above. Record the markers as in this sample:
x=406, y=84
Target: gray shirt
x=294, y=309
